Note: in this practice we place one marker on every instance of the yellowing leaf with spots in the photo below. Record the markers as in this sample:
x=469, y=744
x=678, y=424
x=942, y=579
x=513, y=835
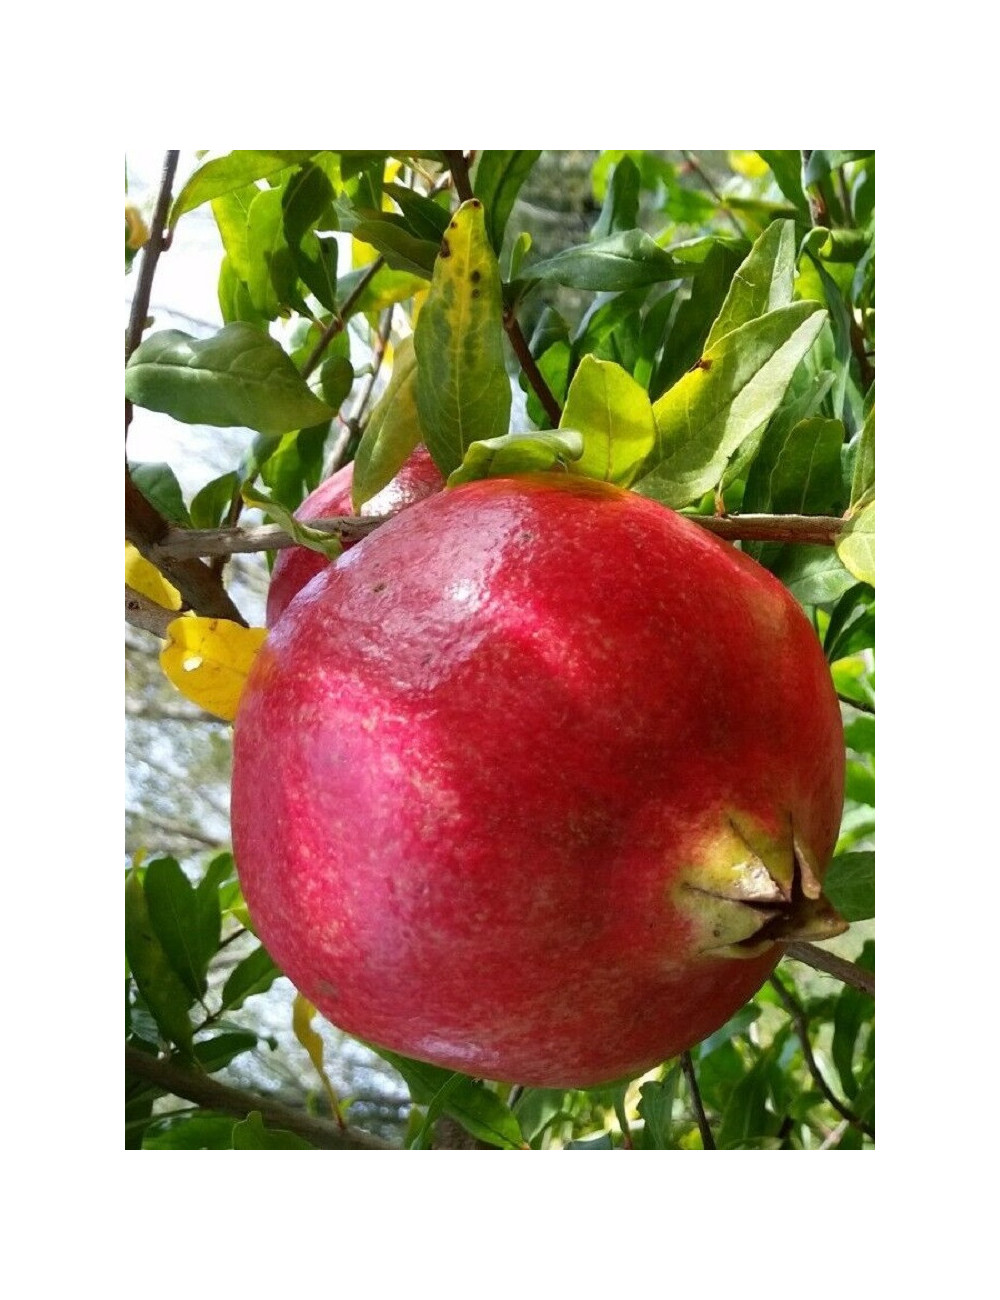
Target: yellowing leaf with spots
x=463, y=393
x=146, y=579
x=208, y=660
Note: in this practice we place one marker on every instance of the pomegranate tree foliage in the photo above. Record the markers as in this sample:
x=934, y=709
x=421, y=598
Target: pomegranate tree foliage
x=700, y=329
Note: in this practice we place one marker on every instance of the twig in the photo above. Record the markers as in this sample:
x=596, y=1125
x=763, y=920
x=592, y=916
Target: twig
x=183, y=543
x=687, y=1065
x=154, y=246
x=213, y=1095
x=352, y=425
x=458, y=165
x=798, y=1016
x=694, y=163
x=339, y=318
x=200, y=588
x=527, y=362
x=856, y=704
x=848, y=972
x=144, y=613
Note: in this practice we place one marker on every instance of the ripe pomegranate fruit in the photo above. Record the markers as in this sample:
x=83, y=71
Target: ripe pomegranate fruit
x=297, y=565
x=533, y=782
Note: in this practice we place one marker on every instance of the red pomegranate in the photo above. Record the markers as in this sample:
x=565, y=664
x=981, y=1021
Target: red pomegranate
x=297, y=565
x=533, y=783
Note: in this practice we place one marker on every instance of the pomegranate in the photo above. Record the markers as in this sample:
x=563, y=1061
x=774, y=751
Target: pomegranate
x=533, y=783
x=297, y=565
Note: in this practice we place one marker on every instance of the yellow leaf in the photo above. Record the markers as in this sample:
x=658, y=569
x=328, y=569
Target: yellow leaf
x=302, y=1014
x=143, y=577
x=208, y=660
x=747, y=163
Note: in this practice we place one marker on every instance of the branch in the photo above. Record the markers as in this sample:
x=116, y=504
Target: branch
x=798, y=1016
x=848, y=972
x=203, y=1090
x=144, y=613
x=200, y=588
x=339, y=319
x=687, y=1065
x=458, y=164
x=695, y=165
x=534, y=376
x=155, y=245
x=814, y=530
x=860, y=705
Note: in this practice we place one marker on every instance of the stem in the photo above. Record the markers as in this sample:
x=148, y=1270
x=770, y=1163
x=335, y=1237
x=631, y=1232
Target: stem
x=694, y=163
x=527, y=362
x=687, y=1065
x=856, y=704
x=459, y=166
x=339, y=319
x=848, y=972
x=150, y=255
x=196, y=1086
x=798, y=1016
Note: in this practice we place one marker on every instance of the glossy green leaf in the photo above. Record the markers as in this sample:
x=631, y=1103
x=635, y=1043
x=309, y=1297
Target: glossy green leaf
x=314, y=539
x=251, y=1135
x=854, y=1010
x=315, y=261
x=762, y=283
x=211, y=503
x=500, y=173
x=864, y=462
x=254, y=974
x=850, y=885
x=463, y=393
x=856, y=545
x=623, y=261
x=747, y=1121
x=620, y=209
x=160, y=985
x=186, y=923
x=656, y=1104
x=554, y=366
x=823, y=161
x=476, y=1107
x=214, y=1053
x=813, y=574
x=199, y=1132
x=605, y=321
x=806, y=478
x=786, y=165
x=392, y=431
x=231, y=212
x=158, y=484
x=304, y=199
x=518, y=453
x=737, y=1024
x=232, y=172
x=708, y=413
x=860, y=735
x=401, y=250
x=235, y=303
x=268, y=254
x=239, y=376
x=859, y=785
x=615, y=417
x=296, y=466
x=695, y=314
x=426, y=219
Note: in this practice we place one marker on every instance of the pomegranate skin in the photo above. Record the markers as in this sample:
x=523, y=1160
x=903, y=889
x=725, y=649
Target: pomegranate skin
x=490, y=770
x=297, y=565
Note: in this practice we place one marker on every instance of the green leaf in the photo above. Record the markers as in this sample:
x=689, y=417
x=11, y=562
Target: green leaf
x=463, y=393
x=856, y=545
x=500, y=173
x=401, y=250
x=251, y=1135
x=426, y=219
x=385, y=288
x=304, y=199
x=554, y=366
x=620, y=210
x=813, y=574
x=762, y=283
x=615, y=416
x=158, y=484
x=623, y=261
x=187, y=923
x=154, y=974
x=517, y=453
x=296, y=466
x=786, y=165
x=271, y=270
x=476, y=1107
x=806, y=477
x=685, y=342
x=737, y=1024
x=316, y=262
x=335, y=381
x=737, y=386
x=864, y=463
x=656, y=1104
x=314, y=539
x=859, y=786
x=392, y=431
x=823, y=161
x=234, y=171
x=215, y=1053
x=747, y=1121
x=254, y=974
x=231, y=212
x=198, y=1132
x=860, y=735
x=849, y=884
x=239, y=376
x=210, y=504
